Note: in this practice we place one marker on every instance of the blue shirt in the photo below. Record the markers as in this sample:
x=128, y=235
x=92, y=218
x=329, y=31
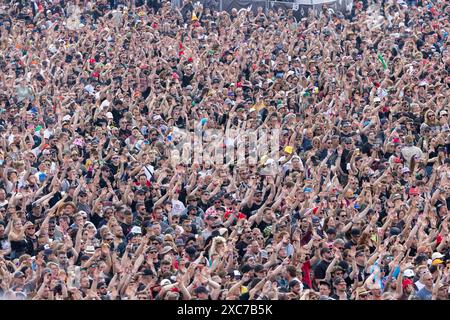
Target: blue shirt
x=424, y=294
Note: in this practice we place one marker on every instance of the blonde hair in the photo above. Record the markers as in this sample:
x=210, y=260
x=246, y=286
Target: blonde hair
x=215, y=242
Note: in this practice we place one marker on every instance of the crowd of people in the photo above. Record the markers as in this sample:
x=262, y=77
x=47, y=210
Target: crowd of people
x=94, y=207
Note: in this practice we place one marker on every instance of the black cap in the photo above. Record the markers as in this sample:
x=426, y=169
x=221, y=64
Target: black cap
x=201, y=289
x=394, y=231
x=355, y=232
x=246, y=268
x=338, y=280
x=324, y=250
x=147, y=272
x=259, y=268
x=191, y=251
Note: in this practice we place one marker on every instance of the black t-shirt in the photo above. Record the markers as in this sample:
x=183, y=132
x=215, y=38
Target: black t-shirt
x=203, y=206
x=336, y=297
x=248, y=210
x=349, y=244
x=186, y=80
x=262, y=226
x=31, y=246
x=320, y=270
x=126, y=228
x=241, y=246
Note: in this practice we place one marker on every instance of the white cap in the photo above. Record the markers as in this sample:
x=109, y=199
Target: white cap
x=136, y=229
x=157, y=117
x=89, y=88
x=437, y=255
x=405, y=170
x=408, y=273
x=165, y=282
x=109, y=115
x=66, y=118
x=269, y=162
x=377, y=99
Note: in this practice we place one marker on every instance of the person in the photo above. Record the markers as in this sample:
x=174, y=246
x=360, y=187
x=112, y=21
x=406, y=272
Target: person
x=174, y=151
x=426, y=292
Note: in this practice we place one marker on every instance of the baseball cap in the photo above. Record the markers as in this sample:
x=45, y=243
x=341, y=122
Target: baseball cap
x=166, y=249
x=136, y=230
x=246, y=268
x=405, y=170
x=407, y=282
x=396, y=196
x=165, y=282
x=338, y=280
x=437, y=255
x=201, y=289
x=179, y=242
x=394, y=231
x=355, y=232
x=259, y=268
x=408, y=273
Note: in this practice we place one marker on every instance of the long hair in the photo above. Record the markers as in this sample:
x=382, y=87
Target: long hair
x=215, y=241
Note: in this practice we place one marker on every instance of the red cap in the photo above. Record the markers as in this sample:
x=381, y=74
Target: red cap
x=407, y=282
x=396, y=140
x=413, y=191
x=190, y=59
x=397, y=160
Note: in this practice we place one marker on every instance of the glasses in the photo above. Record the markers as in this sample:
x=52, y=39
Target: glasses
x=155, y=243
